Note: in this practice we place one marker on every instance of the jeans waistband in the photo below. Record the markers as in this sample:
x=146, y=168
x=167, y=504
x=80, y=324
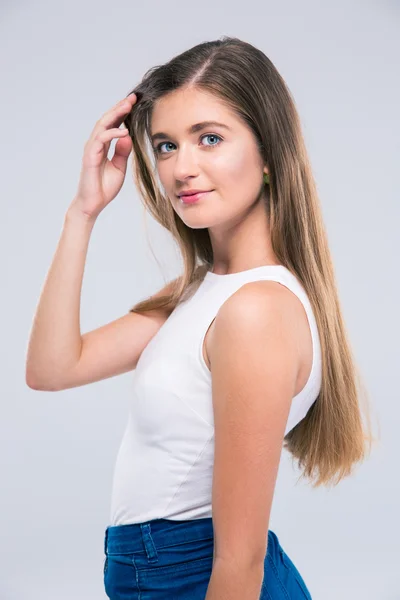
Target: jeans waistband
x=157, y=533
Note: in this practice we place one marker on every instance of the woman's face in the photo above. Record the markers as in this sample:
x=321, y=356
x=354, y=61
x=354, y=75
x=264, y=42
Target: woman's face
x=223, y=158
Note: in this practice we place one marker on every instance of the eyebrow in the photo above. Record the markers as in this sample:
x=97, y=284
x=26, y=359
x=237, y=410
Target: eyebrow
x=193, y=129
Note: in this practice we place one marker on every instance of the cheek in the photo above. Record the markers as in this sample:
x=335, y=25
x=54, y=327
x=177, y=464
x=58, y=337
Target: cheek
x=236, y=168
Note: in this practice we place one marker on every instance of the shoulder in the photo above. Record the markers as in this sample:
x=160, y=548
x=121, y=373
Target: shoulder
x=260, y=302
x=260, y=318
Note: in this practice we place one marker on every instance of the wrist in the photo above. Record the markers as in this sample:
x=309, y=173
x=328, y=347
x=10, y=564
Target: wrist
x=75, y=214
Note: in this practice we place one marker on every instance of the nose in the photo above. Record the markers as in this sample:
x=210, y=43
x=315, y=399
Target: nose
x=185, y=164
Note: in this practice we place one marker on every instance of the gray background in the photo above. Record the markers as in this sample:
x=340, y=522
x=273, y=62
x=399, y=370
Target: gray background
x=63, y=66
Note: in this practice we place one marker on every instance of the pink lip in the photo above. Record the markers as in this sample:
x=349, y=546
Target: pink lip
x=192, y=198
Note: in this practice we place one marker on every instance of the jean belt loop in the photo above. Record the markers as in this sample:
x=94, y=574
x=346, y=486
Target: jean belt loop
x=105, y=541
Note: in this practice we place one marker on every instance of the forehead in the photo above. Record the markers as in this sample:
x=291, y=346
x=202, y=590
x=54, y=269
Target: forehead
x=187, y=106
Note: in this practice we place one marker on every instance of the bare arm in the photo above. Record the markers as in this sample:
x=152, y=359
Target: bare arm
x=55, y=340
x=59, y=356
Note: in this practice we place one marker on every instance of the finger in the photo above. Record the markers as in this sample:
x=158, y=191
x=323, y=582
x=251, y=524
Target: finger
x=117, y=114
x=114, y=117
x=121, y=152
x=103, y=139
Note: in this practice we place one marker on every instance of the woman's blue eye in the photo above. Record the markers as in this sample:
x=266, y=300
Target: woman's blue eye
x=212, y=135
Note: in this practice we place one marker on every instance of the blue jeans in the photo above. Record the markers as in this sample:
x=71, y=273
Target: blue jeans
x=164, y=559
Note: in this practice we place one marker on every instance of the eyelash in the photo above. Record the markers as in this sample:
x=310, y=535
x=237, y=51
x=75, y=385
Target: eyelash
x=158, y=151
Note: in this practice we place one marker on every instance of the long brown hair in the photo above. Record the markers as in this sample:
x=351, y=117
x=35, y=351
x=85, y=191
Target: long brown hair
x=332, y=436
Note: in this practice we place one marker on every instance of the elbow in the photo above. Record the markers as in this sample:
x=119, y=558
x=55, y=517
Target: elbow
x=34, y=383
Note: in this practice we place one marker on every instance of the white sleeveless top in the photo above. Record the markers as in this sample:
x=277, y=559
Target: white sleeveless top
x=164, y=465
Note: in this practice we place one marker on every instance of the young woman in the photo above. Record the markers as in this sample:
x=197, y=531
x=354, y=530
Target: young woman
x=244, y=354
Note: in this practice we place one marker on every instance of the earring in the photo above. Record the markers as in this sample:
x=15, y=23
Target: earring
x=266, y=178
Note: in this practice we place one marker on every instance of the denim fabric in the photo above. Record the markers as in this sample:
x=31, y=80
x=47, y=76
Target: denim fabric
x=164, y=559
